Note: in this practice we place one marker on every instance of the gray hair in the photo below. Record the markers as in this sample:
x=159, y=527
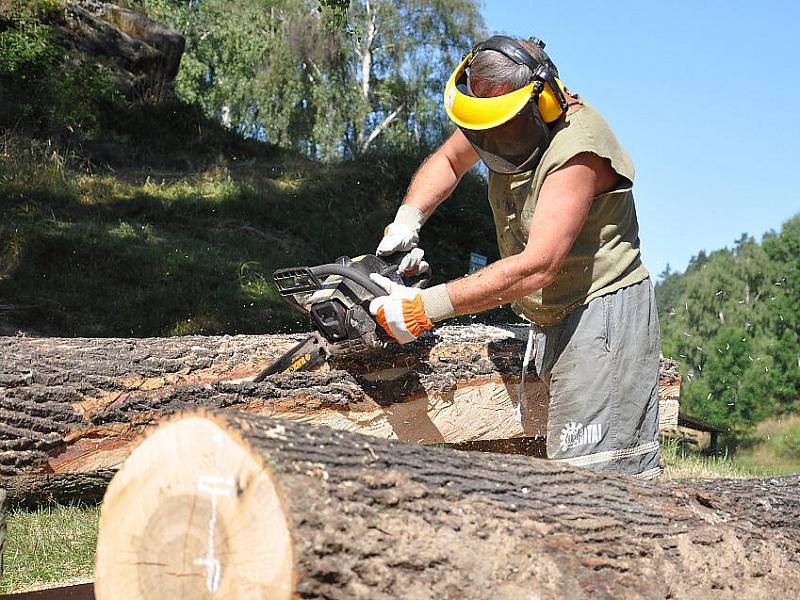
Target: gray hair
x=491, y=73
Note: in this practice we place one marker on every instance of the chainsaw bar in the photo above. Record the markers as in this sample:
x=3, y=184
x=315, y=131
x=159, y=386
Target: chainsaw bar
x=305, y=356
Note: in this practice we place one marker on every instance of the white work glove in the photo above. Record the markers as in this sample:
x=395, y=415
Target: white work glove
x=402, y=235
x=402, y=313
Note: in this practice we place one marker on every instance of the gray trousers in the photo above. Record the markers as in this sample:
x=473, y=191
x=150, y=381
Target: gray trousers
x=600, y=366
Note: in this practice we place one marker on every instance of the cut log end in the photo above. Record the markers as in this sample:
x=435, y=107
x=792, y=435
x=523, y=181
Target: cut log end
x=191, y=519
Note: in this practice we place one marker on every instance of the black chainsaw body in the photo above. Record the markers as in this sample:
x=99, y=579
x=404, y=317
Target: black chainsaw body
x=336, y=297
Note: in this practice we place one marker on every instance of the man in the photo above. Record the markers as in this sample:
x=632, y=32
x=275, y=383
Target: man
x=560, y=192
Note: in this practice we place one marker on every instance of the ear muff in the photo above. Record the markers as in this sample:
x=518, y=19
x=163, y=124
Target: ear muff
x=510, y=132
x=548, y=104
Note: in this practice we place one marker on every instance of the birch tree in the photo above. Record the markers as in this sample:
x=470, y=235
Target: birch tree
x=292, y=74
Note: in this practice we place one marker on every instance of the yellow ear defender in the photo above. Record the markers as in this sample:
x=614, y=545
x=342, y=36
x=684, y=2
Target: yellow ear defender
x=549, y=105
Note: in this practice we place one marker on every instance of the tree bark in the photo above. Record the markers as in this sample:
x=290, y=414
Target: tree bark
x=380, y=127
x=43, y=489
x=244, y=504
x=77, y=405
x=2, y=527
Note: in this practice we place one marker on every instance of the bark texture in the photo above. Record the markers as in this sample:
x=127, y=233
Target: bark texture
x=78, y=405
x=43, y=489
x=2, y=527
x=372, y=518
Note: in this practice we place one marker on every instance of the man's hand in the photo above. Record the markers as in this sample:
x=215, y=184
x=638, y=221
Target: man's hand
x=432, y=183
x=399, y=238
x=401, y=313
x=402, y=235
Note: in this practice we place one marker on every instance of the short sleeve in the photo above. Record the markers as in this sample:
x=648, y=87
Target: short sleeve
x=585, y=130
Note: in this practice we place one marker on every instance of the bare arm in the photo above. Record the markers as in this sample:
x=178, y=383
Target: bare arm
x=438, y=176
x=561, y=210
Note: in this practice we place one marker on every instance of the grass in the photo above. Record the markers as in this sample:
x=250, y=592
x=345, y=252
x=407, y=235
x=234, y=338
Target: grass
x=772, y=451
x=678, y=462
x=141, y=250
x=776, y=442
x=49, y=546
x=120, y=218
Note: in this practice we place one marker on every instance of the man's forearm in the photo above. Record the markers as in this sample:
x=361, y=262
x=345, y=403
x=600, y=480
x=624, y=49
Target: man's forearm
x=500, y=283
x=432, y=184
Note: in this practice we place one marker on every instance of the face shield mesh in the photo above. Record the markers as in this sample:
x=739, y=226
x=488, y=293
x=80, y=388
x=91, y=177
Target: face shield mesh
x=516, y=145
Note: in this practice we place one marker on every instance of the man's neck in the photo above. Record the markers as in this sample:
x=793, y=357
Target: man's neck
x=573, y=102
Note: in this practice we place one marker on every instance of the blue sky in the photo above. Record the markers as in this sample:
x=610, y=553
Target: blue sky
x=705, y=96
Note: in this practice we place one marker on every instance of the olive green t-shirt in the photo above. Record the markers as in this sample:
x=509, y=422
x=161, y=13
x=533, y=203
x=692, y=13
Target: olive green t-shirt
x=605, y=256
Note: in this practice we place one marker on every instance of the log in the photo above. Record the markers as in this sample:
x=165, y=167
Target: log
x=2, y=527
x=240, y=506
x=43, y=489
x=78, y=405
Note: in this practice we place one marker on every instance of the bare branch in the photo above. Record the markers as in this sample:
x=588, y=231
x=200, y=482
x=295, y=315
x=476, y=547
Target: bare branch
x=380, y=127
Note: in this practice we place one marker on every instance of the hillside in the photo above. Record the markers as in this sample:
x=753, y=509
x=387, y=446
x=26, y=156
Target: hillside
x=732, y=321
x=139, y=248
x=139, y=218
x=129, y=211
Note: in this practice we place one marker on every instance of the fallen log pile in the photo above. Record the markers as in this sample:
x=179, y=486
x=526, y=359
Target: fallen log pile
x=77, y=405
x=71, y=406
x=241, y=506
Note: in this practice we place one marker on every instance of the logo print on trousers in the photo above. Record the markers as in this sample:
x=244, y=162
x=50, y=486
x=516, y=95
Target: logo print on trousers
x=575, y=434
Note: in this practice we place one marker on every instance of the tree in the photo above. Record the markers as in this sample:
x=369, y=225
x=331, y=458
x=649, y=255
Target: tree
x=742, y=242
x=731, y=387
x=732, y=321
x=277, y=70
x=404, y=53
x=784, y=249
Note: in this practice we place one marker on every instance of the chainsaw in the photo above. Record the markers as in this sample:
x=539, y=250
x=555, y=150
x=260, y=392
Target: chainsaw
x=336, y=298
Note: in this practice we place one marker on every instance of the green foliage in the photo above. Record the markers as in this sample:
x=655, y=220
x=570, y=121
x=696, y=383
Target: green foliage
x=733, y=322
x=24, y=46
x=334, y=12
x=44, y=87
x=733, y=387
x=276, y=69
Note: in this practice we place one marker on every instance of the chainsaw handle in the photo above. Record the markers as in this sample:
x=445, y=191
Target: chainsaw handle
x=421, y=281
x=351, y=274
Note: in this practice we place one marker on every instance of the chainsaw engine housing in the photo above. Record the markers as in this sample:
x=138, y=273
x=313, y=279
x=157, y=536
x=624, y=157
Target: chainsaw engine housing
x=337, y=299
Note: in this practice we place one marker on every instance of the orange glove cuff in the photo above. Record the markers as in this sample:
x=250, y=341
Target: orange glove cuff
x=415, y=316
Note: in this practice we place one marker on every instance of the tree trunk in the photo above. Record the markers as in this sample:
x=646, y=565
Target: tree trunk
x=236, y=506
x=77, y=405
